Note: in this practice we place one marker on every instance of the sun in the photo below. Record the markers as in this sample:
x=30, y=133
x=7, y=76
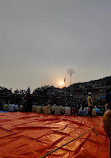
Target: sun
x=61, y=83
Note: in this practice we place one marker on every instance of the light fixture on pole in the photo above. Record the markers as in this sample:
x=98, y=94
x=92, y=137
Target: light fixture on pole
x=70, y=72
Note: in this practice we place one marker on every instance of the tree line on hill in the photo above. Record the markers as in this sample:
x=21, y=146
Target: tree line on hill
x=6, y=95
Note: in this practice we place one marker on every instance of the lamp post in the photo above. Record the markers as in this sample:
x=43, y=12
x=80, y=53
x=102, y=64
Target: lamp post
x=70, y=72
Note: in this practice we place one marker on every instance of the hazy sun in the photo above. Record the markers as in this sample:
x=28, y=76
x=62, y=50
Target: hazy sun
x=61, y=83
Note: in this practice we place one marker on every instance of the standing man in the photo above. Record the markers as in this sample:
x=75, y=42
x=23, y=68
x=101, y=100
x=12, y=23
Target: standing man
x=90, y=103
x=28, y=101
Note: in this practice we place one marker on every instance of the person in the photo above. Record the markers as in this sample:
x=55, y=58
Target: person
x=108, y=99
x=85, y=111
x=67, y=110
x=53, y=109
x=98, y=111
x=57, y=110
x=90, y=103
x=80, y=111
x=13, y=108
x=46, y=109
x=28, y=101
x=94, y=111
x=39, y=109
x=107, y=124
x=62, y=110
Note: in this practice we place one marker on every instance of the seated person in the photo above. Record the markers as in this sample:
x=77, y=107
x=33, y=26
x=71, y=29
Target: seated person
x=14, y=108
x=53, y=109
x=46, y=109
x=57, y=109
x=39, y=109
x=80, y=112
x=67, y=110
x=34, y=107
x=62, y=110
x=85, y=111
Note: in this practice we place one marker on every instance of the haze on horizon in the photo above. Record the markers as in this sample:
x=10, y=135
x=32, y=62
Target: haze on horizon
x=41, y=39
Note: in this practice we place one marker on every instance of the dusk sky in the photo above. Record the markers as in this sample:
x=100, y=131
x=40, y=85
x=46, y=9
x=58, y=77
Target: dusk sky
x=41, y=39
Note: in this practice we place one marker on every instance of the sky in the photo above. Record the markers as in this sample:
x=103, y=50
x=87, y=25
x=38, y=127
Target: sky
x=41, y=39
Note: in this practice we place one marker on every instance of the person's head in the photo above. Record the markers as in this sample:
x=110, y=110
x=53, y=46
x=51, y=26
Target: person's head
x=89, y=93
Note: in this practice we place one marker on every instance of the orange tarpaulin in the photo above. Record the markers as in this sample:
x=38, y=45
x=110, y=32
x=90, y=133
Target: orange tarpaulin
x=31, y=135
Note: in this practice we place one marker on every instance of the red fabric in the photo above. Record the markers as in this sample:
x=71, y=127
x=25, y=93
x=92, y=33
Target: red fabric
x=31, y=135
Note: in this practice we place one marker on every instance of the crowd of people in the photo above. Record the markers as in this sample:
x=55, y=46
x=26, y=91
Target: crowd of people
x=59, y=106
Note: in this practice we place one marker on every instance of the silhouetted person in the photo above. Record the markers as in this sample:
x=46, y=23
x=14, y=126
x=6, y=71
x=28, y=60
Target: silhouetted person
x=90, y=103
x=28, y=101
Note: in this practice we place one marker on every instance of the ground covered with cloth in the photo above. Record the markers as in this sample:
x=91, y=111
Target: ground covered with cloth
x=31, y=135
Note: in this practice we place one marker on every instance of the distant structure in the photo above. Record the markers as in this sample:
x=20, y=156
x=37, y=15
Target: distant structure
x=70, y=72
x=28, y=90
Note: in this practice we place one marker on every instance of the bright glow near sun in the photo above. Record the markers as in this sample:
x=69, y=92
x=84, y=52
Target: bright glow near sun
x=61, y=83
